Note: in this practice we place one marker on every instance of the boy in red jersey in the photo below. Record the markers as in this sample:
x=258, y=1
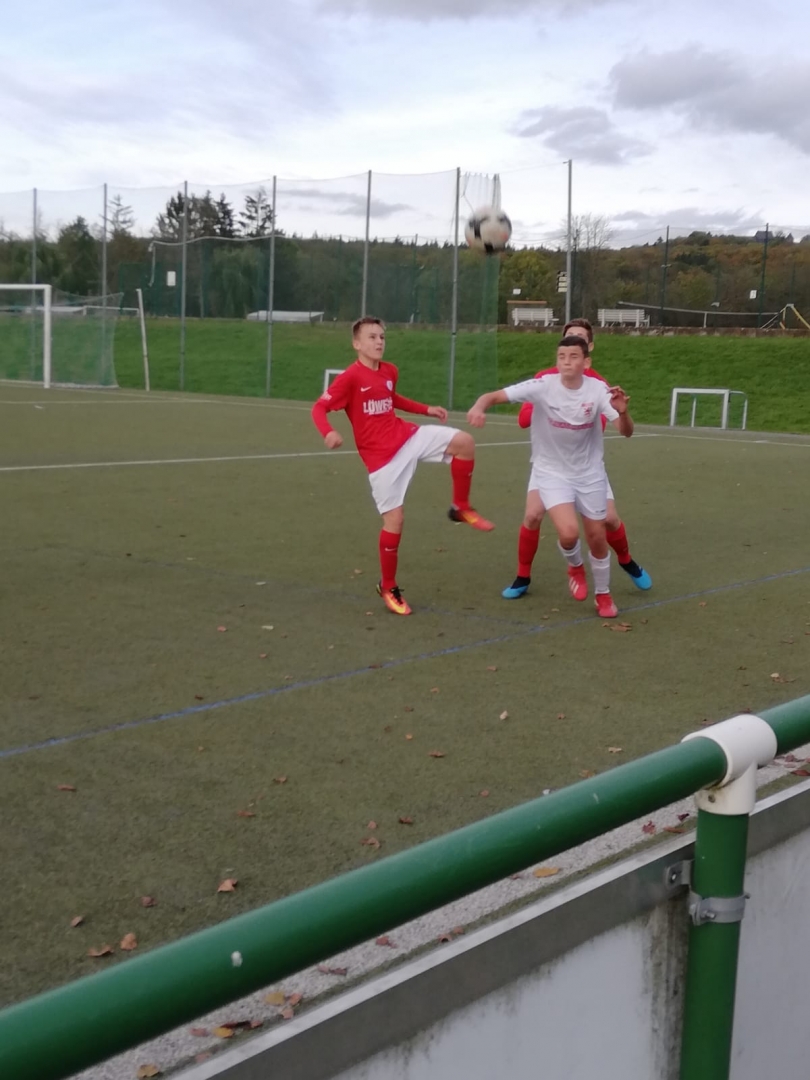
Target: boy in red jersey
x=391, y=448
x=568, y=469
x=530, y=529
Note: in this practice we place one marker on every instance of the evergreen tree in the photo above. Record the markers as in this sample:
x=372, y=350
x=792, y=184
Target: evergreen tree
x=257, y=217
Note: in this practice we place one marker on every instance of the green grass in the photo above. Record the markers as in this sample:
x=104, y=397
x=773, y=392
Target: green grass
x=229, y=357
x=116, y=580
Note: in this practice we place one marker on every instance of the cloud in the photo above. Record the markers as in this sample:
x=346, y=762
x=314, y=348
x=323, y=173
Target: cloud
x=582, y=132
x=351, y=203
x=718, y=92
x=642, y=226
x=458, y=10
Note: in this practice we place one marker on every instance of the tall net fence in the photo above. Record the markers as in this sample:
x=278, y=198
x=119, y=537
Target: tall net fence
x=250, y=289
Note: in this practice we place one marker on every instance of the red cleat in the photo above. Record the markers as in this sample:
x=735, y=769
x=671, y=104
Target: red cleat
x=605, y=608
x=470, y=517
x=394, y=600
x=577, y=582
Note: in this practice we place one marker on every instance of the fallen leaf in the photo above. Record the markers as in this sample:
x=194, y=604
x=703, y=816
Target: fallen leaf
x=586, y=773
x=515, y=877
x=775, y=676
x=649, y=828
x=146, y=1071
x=434, y=689
x=222, y=629
x=644, y=621
x=370, y=613
x=800, y=772
x=324, y=970
x=253, y=1024
x=546, y=871
x=619, y=628
x=128, y=943
x=199, y=1032
x=222, y=1032
x=409, y=737
x=702, y=603
x=268, y=628
x=358, y=571
x=370, y=841
x=614, y=749
x=385, y=940
x=199, y=697
x=206, y=1054
x=277, y=997
x=674, y=829
x=408, y=708
x=65, y=787
x=406, y=821
x=458, y=931
x=683, y=817
x=791, y=757
x=492, y=668
x=228, y=885
x=104, y=950
x=435, y=753
x=77, y=921
x=245, y=813
x=504, y=715
x=279, y=779
x=560, y=715
x=484, y=794
x=372, y=825
x=295, y=999
x=445, y=937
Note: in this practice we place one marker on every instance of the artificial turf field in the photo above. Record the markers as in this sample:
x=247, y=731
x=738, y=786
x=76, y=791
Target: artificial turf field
x=136, y=526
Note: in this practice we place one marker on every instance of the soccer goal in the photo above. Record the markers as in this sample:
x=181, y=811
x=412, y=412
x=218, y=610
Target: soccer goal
x=53, y=339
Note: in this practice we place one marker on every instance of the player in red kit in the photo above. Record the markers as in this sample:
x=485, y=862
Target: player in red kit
x=391, y=447
x=535, y=511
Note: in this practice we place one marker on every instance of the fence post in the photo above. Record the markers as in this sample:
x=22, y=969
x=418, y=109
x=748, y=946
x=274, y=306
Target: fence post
x=183, y=270
x=271, y=288
x=365, y=248
x=717, y=900
x=104, y=273
x=568, y=252
x=664, y=268
x=762, y=277
x=33, y=291
x=454, y=302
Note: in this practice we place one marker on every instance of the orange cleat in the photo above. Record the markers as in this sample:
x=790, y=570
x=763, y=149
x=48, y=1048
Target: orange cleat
x=470, y=517
x=577, y=582
x=605, y=608
x=394, y=600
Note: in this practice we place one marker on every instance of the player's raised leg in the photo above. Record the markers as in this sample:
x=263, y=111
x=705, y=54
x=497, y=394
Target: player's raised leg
x=600, y=566
x=528, y=540
x=390, y=536
x=461, y=449
x=564, y=516
x=617, y=538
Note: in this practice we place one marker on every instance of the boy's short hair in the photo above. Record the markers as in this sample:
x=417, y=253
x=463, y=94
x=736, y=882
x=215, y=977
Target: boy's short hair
x=583, y=323
x=366, y=320
x=574, y=339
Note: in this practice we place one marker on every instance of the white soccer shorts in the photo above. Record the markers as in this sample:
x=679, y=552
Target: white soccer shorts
x=588, y=496
x=390, y=483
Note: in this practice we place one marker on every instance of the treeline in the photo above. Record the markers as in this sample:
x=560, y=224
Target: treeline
x=228, y=269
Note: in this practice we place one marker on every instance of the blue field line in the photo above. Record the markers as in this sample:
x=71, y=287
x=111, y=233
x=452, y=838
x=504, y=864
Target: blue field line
x=322, y=680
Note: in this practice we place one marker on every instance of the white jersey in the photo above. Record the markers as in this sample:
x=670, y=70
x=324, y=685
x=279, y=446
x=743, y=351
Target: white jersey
x=566, y=427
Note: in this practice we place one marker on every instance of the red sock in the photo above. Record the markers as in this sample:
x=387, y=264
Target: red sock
x=527, y=549
x=618, y=541
x=461, y=471
x=389, y=556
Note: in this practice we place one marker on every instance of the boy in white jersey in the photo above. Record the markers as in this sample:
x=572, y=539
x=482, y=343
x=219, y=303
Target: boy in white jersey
x=568, y=468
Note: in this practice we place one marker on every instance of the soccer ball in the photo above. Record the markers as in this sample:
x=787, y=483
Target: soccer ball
x=488, y=229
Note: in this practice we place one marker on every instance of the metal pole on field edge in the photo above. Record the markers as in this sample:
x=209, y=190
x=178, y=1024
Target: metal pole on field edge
x=711, y=975
x=365, y=248
x=762, y=276
x=664, y=268
x=33, y=292
x=184, y=267
x=454, y=307
x=568, y=252
x=34, y=244
x=104, y=273
x=144, y=347
x=270, y=292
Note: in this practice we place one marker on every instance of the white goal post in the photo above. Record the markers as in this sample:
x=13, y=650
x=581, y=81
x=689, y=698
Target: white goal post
x=47, y=323
x=699, y=391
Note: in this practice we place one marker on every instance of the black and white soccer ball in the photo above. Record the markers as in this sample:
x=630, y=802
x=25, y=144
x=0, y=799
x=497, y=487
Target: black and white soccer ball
x=488, y=229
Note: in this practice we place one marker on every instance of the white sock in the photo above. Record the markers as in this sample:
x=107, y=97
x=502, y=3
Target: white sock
x=601, y=573
x=573, y=556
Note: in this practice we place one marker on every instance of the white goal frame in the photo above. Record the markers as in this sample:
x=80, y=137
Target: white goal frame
x=47, y=311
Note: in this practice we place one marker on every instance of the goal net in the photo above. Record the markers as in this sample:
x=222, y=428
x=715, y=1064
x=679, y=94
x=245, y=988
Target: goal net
x=54, y=339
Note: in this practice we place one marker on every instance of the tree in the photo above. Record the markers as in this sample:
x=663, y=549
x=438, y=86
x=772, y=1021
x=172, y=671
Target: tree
x=120, y=218
x=79, y=272
x=225, y=221
x=257, y=217
x=203, y=218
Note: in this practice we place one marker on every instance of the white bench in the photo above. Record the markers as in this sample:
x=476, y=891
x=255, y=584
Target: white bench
x=544, y=316
x=697, y=392
x=623, y=317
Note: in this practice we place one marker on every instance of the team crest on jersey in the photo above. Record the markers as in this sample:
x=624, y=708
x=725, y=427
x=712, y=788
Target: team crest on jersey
x=587, y=408
x=389, y=384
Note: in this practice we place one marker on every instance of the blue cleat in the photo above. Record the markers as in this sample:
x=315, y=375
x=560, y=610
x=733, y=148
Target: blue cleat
x=518, y=588
x=641, y=579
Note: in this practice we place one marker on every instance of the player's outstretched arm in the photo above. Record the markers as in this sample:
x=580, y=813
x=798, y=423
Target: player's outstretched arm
x=408, y=405
x=476, y=417
x=619, y=400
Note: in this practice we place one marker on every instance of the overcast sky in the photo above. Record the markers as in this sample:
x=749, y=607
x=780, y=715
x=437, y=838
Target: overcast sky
x=689, y=114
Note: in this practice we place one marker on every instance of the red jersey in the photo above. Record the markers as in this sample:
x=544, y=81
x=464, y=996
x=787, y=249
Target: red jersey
x=369, y=398
x=526, y=409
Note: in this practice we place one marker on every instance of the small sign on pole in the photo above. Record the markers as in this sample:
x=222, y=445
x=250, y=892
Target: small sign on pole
x=752, y=295
x=562, y=281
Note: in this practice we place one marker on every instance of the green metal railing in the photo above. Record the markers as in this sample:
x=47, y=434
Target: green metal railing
x=58, y=1033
